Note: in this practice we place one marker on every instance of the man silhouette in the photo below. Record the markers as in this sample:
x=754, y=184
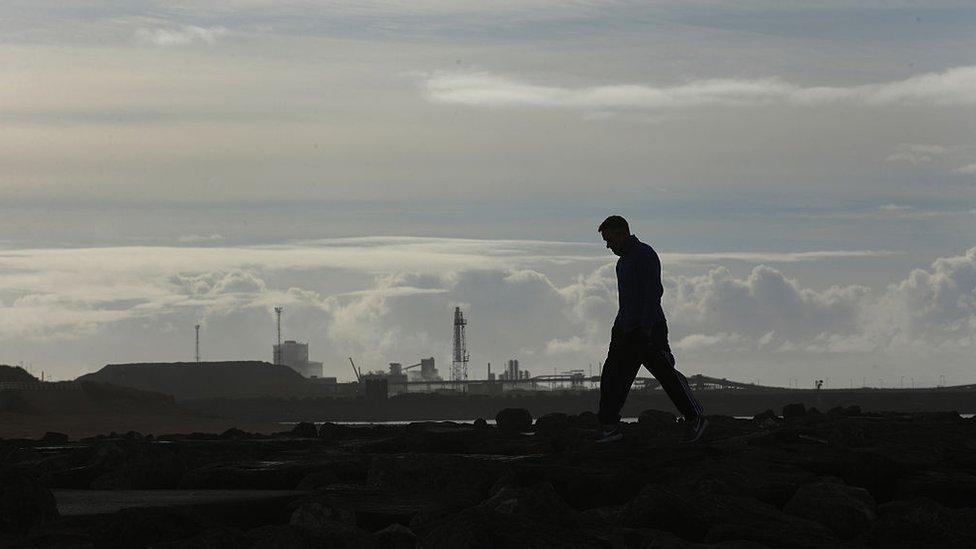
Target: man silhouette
x=639, y=334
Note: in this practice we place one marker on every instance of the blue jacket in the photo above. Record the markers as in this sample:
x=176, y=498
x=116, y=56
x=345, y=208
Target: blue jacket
x=639, y=288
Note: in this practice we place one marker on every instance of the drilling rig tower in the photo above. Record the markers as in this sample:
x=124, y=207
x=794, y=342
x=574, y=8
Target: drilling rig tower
x=459, y=366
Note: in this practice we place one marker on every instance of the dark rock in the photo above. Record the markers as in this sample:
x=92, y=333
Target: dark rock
x=332, y=535
x=846, y=510
x=849, y=411
x=656, y=419
x=513, y=420
x=329, y=431
x=539, y=502
x=923, y=523
x=213, y=538
x=600, y=518
x=318, y=479
x=54, y=438
x=500, y=523
x=142, y=527
x=647, y=538
x=316, y=515
x=152, y=468
x=445, y=478
x=768, y=414
x=395, y=536
x=233, y=434
x=663, y=509
x=791, y=411
x=24, y=503
x=481, y=423
x=246, y=475
x=305, y=429
x=738, y=518
x=950, y=488
x=585, y=420
x=555, y=421
x=134, y=435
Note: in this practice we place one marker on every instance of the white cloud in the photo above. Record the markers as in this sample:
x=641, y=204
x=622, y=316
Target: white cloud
x=695, y=342
x=969, y=169
x=918, y=153
x=953, y=87
x=149, y=297
x=185, y=34
x=772, y=257
x=895, y=208
x=192, y=238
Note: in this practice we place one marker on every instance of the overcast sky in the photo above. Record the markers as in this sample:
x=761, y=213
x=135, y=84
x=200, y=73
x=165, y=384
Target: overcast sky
x=807, y=171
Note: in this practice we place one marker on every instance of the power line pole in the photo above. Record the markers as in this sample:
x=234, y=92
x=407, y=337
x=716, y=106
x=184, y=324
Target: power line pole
x=198, y=343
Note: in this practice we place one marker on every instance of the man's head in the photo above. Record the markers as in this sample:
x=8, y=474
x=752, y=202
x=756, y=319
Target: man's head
x=615, y=232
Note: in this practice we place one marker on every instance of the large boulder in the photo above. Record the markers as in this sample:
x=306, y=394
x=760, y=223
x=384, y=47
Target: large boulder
x=554, y=421
x=585, y=420
x=748, y=519
x=662, y=509
x=144, y=527
x=318, y=515
x=539, y=502
x=304, y=429
x=846, y=510
x=395, y=536
x=513, y=420
x=24, y=503
x=450, y=479
x=950, y=488
x=332, y=535
x=923, y=523
x=532, y=516
x=656, y=419
x=54, y=438
x=792, y=411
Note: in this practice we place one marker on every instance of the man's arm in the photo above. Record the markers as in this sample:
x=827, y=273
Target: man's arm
x=649, y=269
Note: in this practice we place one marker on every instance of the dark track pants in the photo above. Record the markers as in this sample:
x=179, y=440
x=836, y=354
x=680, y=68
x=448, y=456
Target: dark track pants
x=627, y=353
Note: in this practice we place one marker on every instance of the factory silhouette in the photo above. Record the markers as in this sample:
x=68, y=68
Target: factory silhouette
x=421, y=377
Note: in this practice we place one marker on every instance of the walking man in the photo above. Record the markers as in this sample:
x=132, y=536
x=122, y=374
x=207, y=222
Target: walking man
x=639, y=334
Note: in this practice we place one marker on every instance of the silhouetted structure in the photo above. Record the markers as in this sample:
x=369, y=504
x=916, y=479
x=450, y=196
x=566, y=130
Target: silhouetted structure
x=459, y=366
x=295, y=355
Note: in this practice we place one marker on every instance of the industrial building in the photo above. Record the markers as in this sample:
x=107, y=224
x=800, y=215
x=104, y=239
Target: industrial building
x=295, y=355
x=513, y=373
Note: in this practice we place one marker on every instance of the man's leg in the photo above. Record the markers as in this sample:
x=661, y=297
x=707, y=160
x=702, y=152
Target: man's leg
x=619, y=370
x=660, y=362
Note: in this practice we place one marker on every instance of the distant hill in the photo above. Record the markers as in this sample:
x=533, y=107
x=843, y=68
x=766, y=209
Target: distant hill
x=186, y=380
x=80, y=398
x=14, y=373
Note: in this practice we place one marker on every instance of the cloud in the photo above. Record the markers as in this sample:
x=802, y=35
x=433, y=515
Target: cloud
x=919, y=153
x=953, y=87
x=969, y=169
x=186, y=34
x=895, y=208
x=192, y=238
x=139, y=303
x=773, y=257
x=764, y=301
x=702, y=341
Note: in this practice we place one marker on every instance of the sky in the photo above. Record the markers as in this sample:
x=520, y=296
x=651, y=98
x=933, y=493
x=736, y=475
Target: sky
x=806, y=170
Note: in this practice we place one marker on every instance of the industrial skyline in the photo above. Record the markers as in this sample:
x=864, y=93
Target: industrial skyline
x=805, y=170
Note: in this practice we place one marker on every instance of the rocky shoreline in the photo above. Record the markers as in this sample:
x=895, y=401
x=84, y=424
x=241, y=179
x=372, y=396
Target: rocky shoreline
x=806, y=479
